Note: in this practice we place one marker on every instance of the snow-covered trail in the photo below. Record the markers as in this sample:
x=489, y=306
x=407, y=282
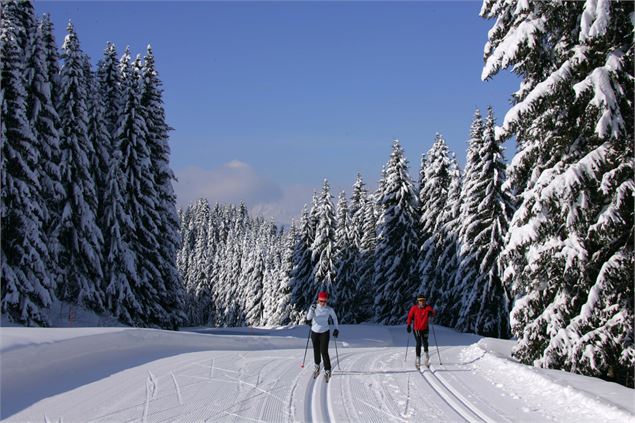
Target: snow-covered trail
x=234, y=380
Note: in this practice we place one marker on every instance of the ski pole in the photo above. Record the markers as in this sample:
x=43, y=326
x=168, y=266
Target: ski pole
x=407, y=345
x=436, y=343
x=306, y=348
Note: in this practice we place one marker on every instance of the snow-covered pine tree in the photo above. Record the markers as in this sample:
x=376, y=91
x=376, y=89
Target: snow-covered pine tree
x=229, y=268
x=365, y=264
x=182, y=257
x=205, y=294
x=230, y=283
x=110, y=86
x=120, y=262
x=254, y=283
x=302, y=292
x=485, y=301
x=140, y=194
x=24, y=23
x=197, y=276
x=283, y=306
x=100, y=137
x=168, y=224
x=396, y=278
x=26, y=284
x=466, y=269
x=313, y=216
x=322, y=248
x=80, y=236
x=344, y=261
x=51, y=57
x=273, y=264
x=434, y=184
x=569, y=253
x=359, y=197
x=357, y=209
x=447, y=297
x=45, y=124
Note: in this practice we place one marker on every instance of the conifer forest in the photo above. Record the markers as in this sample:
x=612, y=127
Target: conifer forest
x=537, y=247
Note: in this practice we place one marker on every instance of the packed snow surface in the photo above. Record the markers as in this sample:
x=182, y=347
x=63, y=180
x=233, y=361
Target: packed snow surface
x=255, y=374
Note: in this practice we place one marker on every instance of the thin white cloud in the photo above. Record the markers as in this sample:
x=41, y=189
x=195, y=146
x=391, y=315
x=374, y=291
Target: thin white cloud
x=237, y=181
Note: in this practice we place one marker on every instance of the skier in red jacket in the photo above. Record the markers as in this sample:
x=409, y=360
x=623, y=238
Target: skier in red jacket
x=420, y=313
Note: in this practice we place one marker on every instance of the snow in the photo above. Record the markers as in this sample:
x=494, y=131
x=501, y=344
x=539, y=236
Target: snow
x=254, y=374
x=595, y=19
x=611, y=123
x=528, y=31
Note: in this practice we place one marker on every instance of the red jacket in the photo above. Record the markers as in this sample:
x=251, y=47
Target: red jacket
x=420, y=316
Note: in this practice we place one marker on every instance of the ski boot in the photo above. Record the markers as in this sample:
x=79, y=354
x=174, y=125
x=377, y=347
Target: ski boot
x=316, y=371
x=418, y=362
x=327, y=376
x=427, y=361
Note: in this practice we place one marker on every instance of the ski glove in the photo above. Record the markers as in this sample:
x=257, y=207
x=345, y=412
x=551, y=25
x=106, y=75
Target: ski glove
x=307, y=321
x=408, y=329
x=336, y=333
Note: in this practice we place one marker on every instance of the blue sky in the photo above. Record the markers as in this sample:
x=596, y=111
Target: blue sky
x=269, y=98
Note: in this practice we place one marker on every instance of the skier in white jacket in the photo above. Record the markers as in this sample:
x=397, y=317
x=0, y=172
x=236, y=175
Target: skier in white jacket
x=320, y=334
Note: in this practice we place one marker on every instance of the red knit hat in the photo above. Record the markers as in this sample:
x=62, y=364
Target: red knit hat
x=323, y=295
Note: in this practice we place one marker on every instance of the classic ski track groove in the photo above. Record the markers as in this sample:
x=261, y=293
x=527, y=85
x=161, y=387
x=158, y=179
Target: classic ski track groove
x=456, y=401
x=457, y=393
x=317, y=407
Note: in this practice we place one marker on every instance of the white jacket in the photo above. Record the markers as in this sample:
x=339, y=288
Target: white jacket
x=320, y=316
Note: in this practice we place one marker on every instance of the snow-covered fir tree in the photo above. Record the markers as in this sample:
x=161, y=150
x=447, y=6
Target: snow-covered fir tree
x=140, y=193
x=22, y=16
x=485, y=301
x=120, y=261
x=569, y=253
x=313, y=216
x=344, y=261
x=51, y=56
x=359, y=196
x=254, y=274
x=44, y=123
x=466, y=269
x=58, y=166
x=282, y=310
x=233, y=271
x=434, y=183
x=80, y=237
x=302, y=291
x=396, y=278
x=365, y=264
x=165, y=203
x=109, y=86
x=448, y=294
x=27, y=286
x=357, y=212
x=195, y=246
x=100, y=137
x=322, y=248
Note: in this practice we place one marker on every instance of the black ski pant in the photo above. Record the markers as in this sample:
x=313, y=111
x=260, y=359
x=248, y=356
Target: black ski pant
x=321, y=348
x=421, y=336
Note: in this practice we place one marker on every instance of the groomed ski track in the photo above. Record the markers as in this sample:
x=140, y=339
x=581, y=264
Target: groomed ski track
x=372, y=382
